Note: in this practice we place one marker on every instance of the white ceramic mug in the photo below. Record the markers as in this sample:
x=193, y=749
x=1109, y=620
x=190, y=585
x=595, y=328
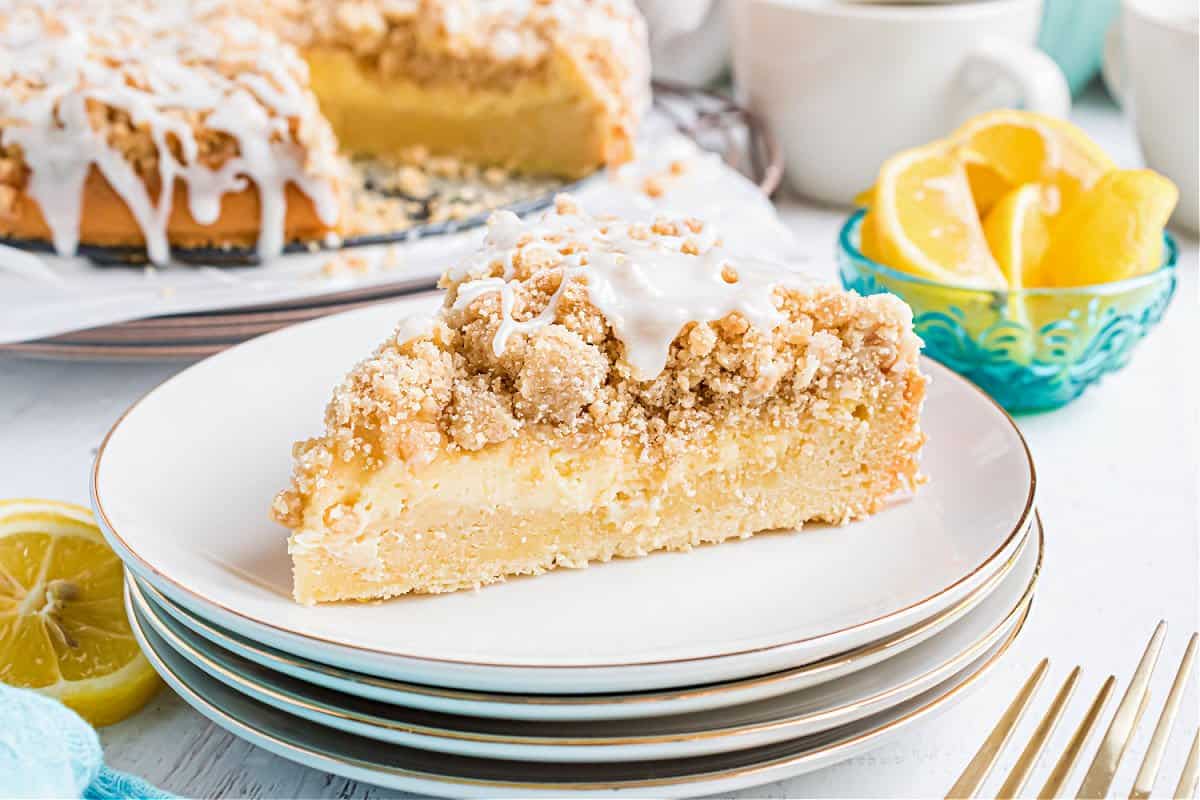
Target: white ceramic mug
x=689, y=39
x=1152, y=66
x=845, y=85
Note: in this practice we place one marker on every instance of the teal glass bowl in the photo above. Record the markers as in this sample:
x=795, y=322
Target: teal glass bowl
x=1030, y=349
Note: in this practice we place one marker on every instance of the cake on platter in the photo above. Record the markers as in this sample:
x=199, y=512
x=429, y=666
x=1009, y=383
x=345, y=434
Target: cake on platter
x=160, y=123
x=592, y=388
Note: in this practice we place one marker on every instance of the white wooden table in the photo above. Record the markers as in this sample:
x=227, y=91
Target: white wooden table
x=1118, y=493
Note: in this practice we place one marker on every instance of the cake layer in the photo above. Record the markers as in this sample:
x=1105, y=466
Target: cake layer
x=530, y=505
x=544, y=122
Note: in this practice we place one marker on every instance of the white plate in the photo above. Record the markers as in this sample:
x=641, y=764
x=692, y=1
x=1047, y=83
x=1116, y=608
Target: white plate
x=444, y=775
x=182, y=485
x=575, y=707
x=829, y=705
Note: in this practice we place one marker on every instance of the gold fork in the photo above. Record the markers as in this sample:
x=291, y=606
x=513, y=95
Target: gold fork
x=1099, y=777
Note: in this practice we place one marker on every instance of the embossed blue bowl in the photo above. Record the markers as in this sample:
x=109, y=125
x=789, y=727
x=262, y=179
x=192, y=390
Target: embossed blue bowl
x=1031, y=349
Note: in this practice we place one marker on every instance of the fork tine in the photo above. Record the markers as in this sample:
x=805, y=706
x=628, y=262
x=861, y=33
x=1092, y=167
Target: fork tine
x=1191, y=771
x=1066, y=762
x=977, y=771
x=1100, y=774
x=1143, y=784
x=1025, y=762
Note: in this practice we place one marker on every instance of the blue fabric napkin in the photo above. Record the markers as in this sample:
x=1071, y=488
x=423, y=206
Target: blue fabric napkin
x=47, y=750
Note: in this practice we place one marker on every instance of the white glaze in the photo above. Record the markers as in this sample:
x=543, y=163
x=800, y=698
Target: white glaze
x=159, y=62
x=643, y=283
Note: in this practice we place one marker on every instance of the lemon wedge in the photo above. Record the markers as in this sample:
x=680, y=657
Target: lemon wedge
x=1018, y=233
x=1114, y=232
x=869, y=240
x=988, y=185
x=1005, y=149
x=63, y=630
x=925, y=221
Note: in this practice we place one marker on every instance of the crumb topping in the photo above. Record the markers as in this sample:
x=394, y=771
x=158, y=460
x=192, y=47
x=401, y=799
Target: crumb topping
x=521, y=346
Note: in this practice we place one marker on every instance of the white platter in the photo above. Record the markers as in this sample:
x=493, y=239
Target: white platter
x=182, y=485
x=589, y=707
x=443, y=775
x=806, y=712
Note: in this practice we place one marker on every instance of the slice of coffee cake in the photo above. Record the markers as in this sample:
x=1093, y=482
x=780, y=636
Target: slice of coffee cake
x=595, y=388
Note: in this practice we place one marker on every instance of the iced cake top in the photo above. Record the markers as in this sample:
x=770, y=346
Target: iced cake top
x=165, y=91
x=599, y=328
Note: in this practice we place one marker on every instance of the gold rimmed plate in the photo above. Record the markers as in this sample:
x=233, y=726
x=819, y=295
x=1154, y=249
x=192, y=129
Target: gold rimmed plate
x=447, y=775
x=591, y=707
x=223, y=561
x=116, y=353
x=806, y=712
x=194, y=526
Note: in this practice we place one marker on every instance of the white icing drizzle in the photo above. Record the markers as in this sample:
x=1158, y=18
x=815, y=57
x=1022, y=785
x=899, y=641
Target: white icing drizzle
x=412, y=326
x=172, y=67
x=643, y=283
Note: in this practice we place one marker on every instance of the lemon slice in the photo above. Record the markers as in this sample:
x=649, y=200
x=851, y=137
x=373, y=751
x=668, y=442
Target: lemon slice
x=1018, y=233
x=926, y=223
x=988, y=185
x=63, y=630
x=1006, y=149
x=869, y=239
x=1114, y=232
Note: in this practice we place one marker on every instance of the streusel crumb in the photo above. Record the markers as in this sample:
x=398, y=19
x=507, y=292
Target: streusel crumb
x=563, y=372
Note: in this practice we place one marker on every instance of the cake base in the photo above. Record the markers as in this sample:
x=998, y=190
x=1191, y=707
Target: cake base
x=106, y=221
x=535, y=503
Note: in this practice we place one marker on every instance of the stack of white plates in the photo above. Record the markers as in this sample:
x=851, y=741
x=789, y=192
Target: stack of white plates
x=676, y=674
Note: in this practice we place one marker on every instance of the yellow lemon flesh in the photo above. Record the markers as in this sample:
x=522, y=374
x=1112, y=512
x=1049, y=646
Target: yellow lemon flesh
x=1018, y=233
x=987, y=184
x=869, y=240
x=1006, y=149
x=925, y=221
x=63, y=630
x=1114, y=232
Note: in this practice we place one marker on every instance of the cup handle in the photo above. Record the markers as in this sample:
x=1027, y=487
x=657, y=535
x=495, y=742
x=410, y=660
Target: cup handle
x=1112, y=67
x=997, y=65
x=668, y=19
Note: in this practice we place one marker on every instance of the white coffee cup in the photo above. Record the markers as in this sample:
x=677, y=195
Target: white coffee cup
x=1153, y=67
x=689, y=39
x=845, y=85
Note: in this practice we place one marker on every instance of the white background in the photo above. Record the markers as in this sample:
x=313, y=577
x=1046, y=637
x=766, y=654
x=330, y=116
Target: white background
x=1118, y=494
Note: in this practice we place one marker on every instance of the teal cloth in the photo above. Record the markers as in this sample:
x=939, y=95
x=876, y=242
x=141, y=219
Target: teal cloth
x=47, y=750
